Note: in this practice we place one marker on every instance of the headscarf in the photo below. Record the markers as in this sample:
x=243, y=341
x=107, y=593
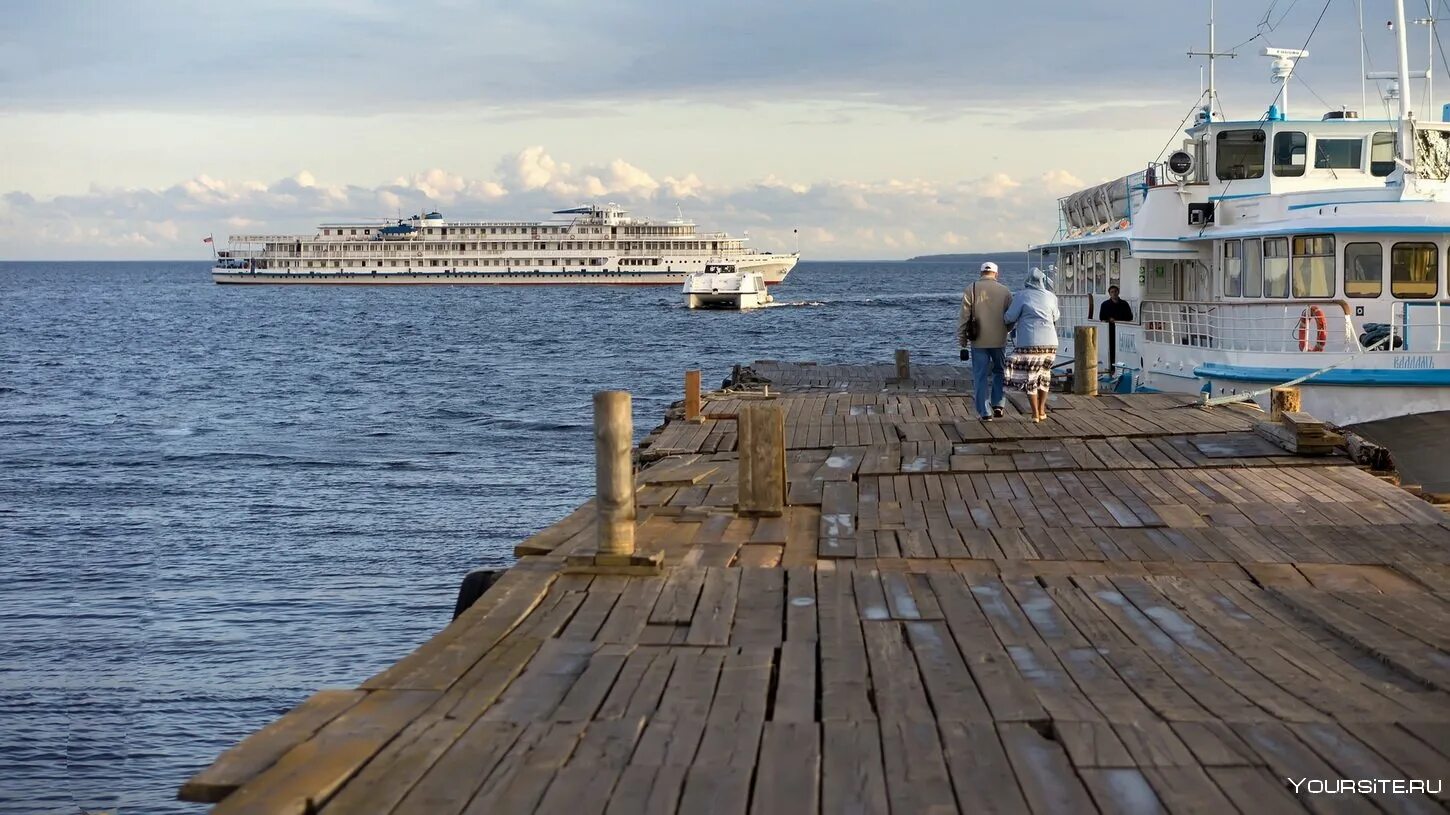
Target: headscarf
x=1037, y=280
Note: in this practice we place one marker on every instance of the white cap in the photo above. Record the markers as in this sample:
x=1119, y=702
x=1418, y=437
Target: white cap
x=989, y=266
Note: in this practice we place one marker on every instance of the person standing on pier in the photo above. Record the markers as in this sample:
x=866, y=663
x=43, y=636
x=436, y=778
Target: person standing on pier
x=981, y=326
x=1034, y=315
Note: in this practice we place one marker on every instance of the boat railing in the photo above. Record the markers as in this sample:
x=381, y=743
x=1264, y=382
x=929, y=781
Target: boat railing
x=1287, y=326
x=1416, y=325
x=1075, y=310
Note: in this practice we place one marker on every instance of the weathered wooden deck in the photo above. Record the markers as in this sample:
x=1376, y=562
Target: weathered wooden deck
x=1137, y=606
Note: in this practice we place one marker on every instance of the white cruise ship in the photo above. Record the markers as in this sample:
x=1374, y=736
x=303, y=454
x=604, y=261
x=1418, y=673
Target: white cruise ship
x=588, y=244
x=1282, y=250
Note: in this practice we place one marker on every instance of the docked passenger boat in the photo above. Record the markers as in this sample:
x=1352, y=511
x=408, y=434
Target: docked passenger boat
x=1306, y=251
x=584, y=245
x=723, y=285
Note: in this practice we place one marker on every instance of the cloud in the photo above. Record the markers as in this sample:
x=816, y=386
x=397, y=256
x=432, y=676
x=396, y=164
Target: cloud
x=363, y=58
x=837, y=218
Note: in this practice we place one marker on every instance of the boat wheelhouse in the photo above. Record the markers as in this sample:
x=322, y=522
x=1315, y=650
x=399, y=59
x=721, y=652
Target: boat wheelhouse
x=1284, y=250
x=587, y=244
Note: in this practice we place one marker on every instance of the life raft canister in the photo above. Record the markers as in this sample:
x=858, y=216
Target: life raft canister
x=1320, y=337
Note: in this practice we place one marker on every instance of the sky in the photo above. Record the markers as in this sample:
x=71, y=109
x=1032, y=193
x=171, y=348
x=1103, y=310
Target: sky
x=131, y=130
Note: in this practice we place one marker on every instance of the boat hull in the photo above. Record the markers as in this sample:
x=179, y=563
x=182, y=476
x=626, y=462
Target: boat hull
x=1419, y=444
x=775, y=270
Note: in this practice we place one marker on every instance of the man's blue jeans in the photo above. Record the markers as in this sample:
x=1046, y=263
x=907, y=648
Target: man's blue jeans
x=988, y=362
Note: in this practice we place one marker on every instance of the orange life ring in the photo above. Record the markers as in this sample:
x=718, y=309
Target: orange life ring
x=1320, y=338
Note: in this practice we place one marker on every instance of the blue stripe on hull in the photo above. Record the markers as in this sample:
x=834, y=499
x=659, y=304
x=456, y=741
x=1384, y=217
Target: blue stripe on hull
x=1377, y=377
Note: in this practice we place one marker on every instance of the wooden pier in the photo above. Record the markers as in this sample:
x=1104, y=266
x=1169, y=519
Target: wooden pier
x=1136, y=606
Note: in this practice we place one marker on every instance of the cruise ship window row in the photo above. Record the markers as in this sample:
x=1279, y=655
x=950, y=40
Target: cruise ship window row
x=502, y=263
x=1307, y=266
x=401, y=247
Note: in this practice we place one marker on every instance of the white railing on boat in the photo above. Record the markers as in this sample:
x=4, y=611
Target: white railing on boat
x=1420, y=325
x=1076, y=310
x=1289, y=326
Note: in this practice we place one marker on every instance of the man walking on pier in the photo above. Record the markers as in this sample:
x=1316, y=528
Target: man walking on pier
x=980, y=326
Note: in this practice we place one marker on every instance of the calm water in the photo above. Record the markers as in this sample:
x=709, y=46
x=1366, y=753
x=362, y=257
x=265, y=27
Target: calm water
x=215, y=500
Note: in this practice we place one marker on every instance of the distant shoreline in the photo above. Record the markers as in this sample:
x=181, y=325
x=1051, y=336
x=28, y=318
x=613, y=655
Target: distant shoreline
x=973, y=257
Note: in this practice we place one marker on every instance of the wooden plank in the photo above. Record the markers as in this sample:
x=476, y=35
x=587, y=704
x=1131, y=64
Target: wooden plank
x=760, y=608
x=310, y=773
x=678, y=597
x=838, y=520
x=852, y=775
x=917, y=779
x=582, y=785
x=980, y=772
x=1122, y=789
x=444, y=785
x=789, y=773
x=257, y=752
x=843, y=663
x=715, y=614
x=992, y=668
x=522, y=776
x=1046, y=777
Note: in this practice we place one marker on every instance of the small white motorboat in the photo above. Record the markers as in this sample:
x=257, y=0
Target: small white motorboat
x=720, y=285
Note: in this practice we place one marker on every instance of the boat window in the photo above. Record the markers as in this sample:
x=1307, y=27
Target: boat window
x=1313, y=265
x=1276, y=267
x=1364, y=269
x=1382, y=154
x=1253, y=268
x=1233, y=269
x=1100, y=272
x=1338, y=154
x=1291, y=153
x=1414, y=270
x=1240, y=154
x=1068, y=273
x=1115, y=267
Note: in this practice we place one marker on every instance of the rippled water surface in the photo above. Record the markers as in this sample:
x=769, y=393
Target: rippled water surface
x=214, y=500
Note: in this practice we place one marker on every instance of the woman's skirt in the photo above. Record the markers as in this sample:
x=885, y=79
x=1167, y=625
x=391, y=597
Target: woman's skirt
x=1030, y=368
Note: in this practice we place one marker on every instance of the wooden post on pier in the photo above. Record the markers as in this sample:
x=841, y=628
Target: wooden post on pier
x=903, y=365
x=761, y=443
x=1085, y=362
x=614, y=491
x=613, y=471
x=1281, y=401
x=692, y=396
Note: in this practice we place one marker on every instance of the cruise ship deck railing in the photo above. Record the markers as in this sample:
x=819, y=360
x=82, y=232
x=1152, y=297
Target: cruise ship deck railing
x=1076, y=310
x=1288, y=326
x=1421, y=325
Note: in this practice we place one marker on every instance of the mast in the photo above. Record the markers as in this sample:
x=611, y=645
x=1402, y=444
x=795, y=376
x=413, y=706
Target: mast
x=1212, y=53
x=1363, y=90
x=1403, y=71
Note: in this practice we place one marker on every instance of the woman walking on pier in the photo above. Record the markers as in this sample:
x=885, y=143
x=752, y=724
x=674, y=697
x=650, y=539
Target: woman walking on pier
x=1034, y=316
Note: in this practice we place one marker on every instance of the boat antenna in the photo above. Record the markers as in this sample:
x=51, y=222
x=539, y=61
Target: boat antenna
x=1212, y=53
x=1429, y=22
x=1363, y=90
x=1406, y=115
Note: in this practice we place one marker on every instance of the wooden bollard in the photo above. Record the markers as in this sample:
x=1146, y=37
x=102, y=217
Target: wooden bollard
x=614, y=493
x=692, y=396
x=761, y=441
x=1281, y=401
x=903, y=364
x=614, y=472
x=1085, y=360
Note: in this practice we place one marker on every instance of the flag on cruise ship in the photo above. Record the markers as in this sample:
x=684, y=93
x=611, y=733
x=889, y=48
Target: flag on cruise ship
x=207, y=239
